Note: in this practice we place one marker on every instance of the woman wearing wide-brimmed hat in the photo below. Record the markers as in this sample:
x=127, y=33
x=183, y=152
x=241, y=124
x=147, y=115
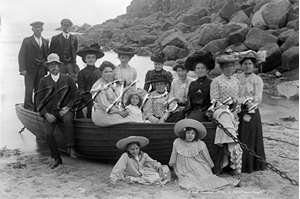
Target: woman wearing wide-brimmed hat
x=124, y=71
x=88, y=76
x=158, y=60
x=135, y=166
x=154, y=109
x=198, y=100
x=223, y=87
x=133, y=100
x=250, y=127
x=191, y=160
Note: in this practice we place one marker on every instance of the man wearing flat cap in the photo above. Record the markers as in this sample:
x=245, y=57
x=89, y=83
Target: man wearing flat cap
x=66, y=46
x=32, y=55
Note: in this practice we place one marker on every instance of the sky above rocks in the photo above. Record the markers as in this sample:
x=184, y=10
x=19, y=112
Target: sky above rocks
x=79, y=11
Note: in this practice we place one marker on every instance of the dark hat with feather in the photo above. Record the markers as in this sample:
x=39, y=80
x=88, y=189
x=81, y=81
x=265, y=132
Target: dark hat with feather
x=159, y=57
x=204, y=57
x=93, y=49
x=163, y=77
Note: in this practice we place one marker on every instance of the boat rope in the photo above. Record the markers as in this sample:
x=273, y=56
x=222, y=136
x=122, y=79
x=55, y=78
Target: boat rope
x=244, y=146
x=22, y=129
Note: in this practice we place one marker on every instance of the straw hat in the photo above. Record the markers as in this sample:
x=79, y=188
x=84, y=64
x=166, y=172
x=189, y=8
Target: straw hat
x=121, y=144
x=123, y=50
x=180, y=125
x=139, y=91
x=93, y=49
x=228, y=56
x=52, y=58
x=204, y=57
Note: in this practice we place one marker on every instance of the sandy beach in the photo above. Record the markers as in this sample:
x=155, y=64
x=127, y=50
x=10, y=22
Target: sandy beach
x=80, y=178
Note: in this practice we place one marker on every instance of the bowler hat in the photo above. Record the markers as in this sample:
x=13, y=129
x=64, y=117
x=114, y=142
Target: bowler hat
x=159, y=57
x=93, y=49
x=37, y=23
x=143, y=141
x=204, y=57
x=123, y=50
x=66, y=22
x=52, y=58
x=184, y=123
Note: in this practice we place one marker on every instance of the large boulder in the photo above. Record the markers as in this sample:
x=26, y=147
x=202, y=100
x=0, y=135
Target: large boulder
x=232, y=27
x=137, y=21
x=228, y=10
x=237, y=47
x=216, y=8
x=292, y=40
x=273, y=53
x=277, y=32
x=173, y=52
x=257, y=18
x=275, y=13
x=147, y=39
x=290, y=58
x=248, y=11
x=217, y=45
x=107, y=33
x=200, y=12
x=257, y=38
x=183, y=27
x=210, y=32
x=154, y=17
x=190, y=19
x=238, y=36
x=174, y=39
x=204, y=20
x=284, y=35
x=240, y=17
x=293, y=24
x=166, y=26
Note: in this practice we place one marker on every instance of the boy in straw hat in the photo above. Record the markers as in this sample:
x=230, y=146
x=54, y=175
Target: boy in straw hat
x=135, y=166
x=191, y=160
x=57, y=107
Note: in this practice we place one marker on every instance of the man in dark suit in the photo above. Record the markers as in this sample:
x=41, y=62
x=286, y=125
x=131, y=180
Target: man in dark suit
x=33, y=53
x=66, y=46
x=55, y=99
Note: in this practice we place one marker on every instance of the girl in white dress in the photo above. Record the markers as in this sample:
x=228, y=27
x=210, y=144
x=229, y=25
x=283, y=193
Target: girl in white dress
x=133, y=101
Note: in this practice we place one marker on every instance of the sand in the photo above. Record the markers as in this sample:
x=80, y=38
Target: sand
x=80, y=178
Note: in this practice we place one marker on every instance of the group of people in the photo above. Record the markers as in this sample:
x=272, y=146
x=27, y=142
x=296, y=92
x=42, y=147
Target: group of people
x=111, y=97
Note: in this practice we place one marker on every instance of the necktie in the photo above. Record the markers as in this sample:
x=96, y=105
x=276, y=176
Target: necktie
x=39, y=41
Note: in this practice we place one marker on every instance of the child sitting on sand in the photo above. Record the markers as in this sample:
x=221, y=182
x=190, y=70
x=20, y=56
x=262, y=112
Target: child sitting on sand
x=191, y=160
x=133, y=101
x=135, y=166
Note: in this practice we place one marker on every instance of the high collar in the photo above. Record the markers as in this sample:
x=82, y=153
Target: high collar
x=201, y=79
x=90, y=66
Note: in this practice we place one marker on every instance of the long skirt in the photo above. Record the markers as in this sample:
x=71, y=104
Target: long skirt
x=251, y=134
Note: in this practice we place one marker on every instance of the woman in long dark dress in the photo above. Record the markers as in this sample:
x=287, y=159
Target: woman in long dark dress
x=250, y=127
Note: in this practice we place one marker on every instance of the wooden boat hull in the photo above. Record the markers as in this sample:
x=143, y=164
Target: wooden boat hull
x=100, y=142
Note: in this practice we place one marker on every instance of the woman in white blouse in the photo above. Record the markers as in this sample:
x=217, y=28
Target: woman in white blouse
x=250, y=127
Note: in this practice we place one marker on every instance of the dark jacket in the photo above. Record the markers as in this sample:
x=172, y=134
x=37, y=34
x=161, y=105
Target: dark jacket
x=56, y=46
x=27, y=55
x=64, y=83
x=86, y=79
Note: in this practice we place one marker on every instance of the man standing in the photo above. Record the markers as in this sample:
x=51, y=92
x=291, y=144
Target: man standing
x=55, y=100
x=66, y=46
x=32, y=55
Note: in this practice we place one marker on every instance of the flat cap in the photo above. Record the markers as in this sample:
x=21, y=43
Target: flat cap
x=66, y=22
x=37, y=23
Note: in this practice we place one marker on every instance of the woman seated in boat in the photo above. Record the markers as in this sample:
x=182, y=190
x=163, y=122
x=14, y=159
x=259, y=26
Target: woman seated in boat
x=106, y=94
x=87, y=77
x=133, y=100
x=198, y=100
x=250, y=127
x=135, y=166
x=124, y=71
x=154, y=109
x=158, y=60
x=180, y=86
x=222, y=88
x=191, y=160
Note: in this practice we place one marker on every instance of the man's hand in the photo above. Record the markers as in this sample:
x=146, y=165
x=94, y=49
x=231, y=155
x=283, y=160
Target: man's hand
x=50, y=118
x=63, y=111
x=23, y=73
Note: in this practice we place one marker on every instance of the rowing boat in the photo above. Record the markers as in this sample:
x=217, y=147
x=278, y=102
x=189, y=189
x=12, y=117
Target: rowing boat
x=96, y=142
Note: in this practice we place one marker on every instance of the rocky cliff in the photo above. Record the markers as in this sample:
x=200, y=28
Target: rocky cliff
x=181, y=27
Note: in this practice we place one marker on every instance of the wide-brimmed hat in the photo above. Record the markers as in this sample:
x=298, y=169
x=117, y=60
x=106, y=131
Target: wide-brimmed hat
x=52, y=58
x=228, y=56
x=93, y=49
x=121, y=144
x=180, y=125
x=66, y=22
x=159, y=57
x=204, y=57
x=139, y=91
x=164, y=77
x=37, y=23
x=125, y=50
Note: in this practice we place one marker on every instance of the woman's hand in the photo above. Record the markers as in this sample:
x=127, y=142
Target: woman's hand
x=50, y=118
x=161, y=173
x=124, y=113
